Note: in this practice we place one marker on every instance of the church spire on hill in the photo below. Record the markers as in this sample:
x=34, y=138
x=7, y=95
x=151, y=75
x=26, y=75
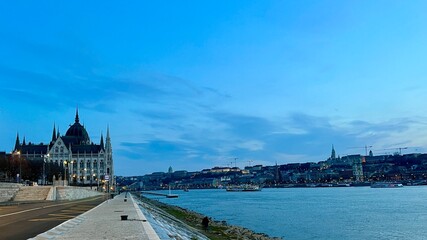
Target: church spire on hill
x=333, y=154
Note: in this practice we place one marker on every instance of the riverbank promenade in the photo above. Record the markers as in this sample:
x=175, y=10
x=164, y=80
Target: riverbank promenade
x=106, y=221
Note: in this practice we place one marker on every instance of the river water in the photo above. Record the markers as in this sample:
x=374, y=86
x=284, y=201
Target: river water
x=317, y=213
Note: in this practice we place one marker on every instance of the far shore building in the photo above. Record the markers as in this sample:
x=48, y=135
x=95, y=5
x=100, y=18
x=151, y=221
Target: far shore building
x=85, y=161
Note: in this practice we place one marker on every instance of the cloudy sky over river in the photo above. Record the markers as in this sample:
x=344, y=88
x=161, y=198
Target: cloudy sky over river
x=195, y=84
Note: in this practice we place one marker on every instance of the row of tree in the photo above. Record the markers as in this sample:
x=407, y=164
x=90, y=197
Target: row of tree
x=15, y=168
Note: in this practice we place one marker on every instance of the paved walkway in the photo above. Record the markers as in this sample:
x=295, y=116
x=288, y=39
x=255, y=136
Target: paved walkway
x=104, y=222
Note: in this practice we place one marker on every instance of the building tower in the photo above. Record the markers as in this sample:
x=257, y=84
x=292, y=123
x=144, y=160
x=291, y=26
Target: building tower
x=358, y=169
x=54, y=135
x=333, y=155
x=109, y=157
x=17, y=143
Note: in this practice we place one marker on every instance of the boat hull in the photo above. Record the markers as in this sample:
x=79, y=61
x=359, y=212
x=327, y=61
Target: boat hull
x=386, y=185
x=243, y=188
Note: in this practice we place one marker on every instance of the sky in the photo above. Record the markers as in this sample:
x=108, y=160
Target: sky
x=199, y=84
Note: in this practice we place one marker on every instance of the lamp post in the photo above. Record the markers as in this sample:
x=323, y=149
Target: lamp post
x=65, y=171
x=20, y=170
x=84, y=176
x=70, y=168
x=45, y=157
x=91, y=176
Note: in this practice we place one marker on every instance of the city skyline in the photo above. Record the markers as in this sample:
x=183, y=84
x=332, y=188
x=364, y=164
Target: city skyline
x=195, y=85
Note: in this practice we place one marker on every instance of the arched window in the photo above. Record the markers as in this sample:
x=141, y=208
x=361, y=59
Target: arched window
x=101, y=167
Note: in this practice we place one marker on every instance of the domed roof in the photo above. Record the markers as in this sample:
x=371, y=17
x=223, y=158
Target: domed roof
x=78, y=131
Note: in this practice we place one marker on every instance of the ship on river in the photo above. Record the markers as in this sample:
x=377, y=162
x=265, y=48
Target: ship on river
x=243, y=188
x=386, y=185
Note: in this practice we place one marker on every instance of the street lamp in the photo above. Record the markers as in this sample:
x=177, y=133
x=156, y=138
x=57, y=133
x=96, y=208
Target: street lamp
x=65, y=171
x=91, y=179
x=84, y=176
x=91, y=171
x=45, y=158
x=71, y=170
x=20, y=171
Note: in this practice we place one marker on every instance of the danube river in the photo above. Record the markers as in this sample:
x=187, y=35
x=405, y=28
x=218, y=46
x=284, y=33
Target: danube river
x=317, y=213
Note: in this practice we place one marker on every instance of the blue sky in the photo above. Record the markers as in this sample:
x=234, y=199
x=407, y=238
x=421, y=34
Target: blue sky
x=195, y=84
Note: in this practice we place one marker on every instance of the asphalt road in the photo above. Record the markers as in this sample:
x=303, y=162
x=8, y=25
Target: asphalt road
x=24, y=221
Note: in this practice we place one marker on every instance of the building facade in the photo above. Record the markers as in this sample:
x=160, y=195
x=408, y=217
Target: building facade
x=85, y=162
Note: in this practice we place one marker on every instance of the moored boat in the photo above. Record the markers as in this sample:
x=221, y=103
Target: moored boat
x=343, y=185
x=243, y=188
x=386, y=185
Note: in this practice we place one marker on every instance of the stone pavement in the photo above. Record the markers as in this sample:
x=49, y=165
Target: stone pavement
x=105, y=222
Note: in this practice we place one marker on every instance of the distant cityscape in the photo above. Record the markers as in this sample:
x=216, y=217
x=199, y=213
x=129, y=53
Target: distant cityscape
x=350, y=170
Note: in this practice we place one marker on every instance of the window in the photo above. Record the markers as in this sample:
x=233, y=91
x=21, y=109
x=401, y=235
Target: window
x=74, y=166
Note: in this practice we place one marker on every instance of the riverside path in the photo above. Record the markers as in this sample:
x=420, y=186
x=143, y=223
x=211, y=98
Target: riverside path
x=26, y=220
x=117, y=218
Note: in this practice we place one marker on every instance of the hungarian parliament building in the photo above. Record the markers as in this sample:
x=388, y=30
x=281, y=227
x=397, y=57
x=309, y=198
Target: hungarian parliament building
x=84, y=160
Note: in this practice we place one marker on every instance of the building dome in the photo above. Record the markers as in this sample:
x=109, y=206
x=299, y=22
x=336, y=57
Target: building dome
x=78, y=131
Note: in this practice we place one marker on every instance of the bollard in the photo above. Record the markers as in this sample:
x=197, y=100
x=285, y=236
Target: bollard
x=124, y=217
x=125, y=200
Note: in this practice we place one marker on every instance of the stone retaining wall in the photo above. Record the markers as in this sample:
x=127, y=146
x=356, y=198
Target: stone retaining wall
x=8, y=191
x=72, y=193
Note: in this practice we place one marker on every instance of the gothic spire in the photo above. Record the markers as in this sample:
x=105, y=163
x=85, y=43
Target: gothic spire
x=23, y=142
x=54, y=133
x=333, y=155
x=77, y=115
x=17, y=143
x=102, y=141
x=108, y=147
x=108, y=131
x=57, y=134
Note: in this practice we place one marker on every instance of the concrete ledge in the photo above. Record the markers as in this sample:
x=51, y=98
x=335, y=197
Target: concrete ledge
x=145, y=224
